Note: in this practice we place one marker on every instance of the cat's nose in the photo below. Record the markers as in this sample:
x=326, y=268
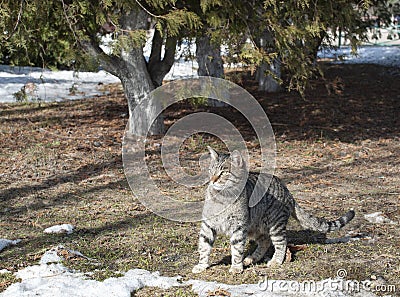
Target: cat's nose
x=214, y=178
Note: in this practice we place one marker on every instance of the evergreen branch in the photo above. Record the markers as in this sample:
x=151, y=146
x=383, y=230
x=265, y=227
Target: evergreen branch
x=18, y=20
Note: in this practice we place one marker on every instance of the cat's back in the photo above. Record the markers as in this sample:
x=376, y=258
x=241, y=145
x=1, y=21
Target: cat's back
x=271, y=187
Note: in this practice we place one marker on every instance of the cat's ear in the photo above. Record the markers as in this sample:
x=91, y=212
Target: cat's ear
x=236, y=159
x=213, y=154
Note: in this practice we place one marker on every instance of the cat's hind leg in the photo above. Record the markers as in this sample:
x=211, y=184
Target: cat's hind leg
x=263, y=242
x=278, y=238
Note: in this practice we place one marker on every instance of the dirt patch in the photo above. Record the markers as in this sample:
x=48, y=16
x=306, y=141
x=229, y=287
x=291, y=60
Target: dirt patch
x=338, y=148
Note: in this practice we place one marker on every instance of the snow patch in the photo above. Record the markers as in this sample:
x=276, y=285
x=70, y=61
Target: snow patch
x=63, y=228
x=46, y=85
x=56, y=280
x=380, y=55
x=6, y=242
x=50, y=279
x=275, y=288
x=378, y=218
x=50, y=256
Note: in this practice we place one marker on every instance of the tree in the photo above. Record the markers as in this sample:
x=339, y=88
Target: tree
x=268, y=75
x=70, y=32
x=208, y=55
x=296, y=29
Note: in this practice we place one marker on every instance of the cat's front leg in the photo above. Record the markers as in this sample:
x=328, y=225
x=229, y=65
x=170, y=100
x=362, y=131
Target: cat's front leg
x=206, y=241
x=238, y=241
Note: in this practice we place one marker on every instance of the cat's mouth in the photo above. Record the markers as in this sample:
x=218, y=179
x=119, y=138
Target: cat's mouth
x=218, y=187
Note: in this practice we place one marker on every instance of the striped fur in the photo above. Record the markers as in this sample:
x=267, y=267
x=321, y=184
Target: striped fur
x=226, y=211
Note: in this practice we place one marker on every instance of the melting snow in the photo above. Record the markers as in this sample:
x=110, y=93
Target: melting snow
x=381, y=55
x=64, y=228
x=46, y=85
x=43, y=84
x=6, y=242
x=378, y=218
x=51, y=278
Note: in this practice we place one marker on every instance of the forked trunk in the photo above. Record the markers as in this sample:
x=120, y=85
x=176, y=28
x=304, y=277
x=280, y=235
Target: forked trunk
x=137, y=86
x=138, y=78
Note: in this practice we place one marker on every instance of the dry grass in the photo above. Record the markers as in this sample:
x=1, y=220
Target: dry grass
x=61, y=163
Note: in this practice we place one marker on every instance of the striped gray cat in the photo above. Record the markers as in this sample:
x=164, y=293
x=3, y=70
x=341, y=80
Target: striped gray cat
x=264, y=223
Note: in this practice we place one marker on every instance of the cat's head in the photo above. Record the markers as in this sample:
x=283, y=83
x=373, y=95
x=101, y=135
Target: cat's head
x=226, y=170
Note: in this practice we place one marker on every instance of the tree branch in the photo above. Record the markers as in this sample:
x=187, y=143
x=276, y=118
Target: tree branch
x=69, y=21
x=156, y=46
x=18, y=20
x=170, y=49
x=159, y=68
x=109, y=63
x=147, y=11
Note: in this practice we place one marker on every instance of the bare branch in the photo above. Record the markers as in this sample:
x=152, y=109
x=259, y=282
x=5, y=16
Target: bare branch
x=18, y=20
x=109, y=63
x=69, y=21
x=146, y=10
x=159, y=68
x=156, y=46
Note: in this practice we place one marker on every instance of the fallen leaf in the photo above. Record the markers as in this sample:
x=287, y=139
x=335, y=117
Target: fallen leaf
x=218, y=292
x=291, y=249
x=288, y=257
x=296, y=248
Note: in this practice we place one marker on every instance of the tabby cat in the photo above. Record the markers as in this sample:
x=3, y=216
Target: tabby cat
x=227, y=211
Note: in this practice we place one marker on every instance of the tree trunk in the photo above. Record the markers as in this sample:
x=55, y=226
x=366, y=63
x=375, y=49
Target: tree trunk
x=138, y=77
x=137, y=82
x=137, y=85
x=267, y=82
x=208, y=56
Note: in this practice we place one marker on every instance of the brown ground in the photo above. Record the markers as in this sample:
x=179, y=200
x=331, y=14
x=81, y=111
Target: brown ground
x=338, y=148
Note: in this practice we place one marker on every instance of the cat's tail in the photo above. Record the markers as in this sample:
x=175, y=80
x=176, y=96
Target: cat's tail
x=308, y=221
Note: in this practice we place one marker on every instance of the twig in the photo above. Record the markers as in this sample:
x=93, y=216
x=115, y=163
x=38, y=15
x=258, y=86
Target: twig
x=146, y=10
x=69, y=22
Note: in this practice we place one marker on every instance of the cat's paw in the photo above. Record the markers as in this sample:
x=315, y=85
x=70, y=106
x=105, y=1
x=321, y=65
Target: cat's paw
x=236, y=269
x=248, y=261
x=199, y=268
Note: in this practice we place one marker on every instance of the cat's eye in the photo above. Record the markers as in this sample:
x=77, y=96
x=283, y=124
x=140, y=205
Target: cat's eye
x=226, y=166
